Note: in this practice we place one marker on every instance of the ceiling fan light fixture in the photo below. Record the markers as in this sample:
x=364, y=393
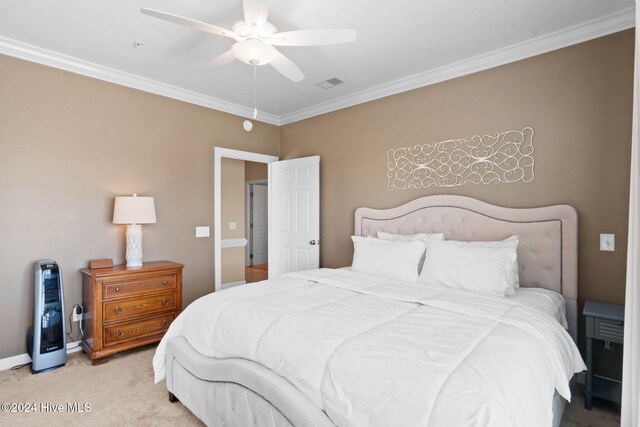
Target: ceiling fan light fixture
x=254, y=52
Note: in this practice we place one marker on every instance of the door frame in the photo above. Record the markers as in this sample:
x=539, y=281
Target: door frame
x=247, y=214
x=219, y=154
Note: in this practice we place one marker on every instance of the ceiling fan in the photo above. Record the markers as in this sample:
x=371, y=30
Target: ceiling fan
x=256, y=37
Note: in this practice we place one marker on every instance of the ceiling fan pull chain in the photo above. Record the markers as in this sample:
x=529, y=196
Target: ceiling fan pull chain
x=255, y=91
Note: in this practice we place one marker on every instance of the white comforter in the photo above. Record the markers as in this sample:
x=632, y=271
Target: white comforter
x=373, y=352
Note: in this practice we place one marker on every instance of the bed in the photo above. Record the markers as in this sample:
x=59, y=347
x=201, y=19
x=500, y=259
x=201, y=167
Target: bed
x=338, y=347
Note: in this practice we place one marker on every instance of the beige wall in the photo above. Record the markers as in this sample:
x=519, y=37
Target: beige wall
x=578, y=100
x=232, y=260
x=232, y=210
x=232, y=197
x=254, y=171
x=68, y=145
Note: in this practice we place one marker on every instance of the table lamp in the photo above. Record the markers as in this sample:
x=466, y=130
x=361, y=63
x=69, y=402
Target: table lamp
x=133, y=211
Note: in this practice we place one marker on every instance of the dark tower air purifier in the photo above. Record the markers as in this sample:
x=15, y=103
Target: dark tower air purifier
x=46, y=343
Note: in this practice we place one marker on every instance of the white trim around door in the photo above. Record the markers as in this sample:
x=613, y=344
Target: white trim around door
x=219, y=153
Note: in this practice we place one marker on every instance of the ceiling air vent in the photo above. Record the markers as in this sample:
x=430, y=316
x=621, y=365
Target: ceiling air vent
x=328, y=84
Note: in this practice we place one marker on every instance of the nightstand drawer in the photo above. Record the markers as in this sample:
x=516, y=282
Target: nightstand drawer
x=132, y=307
x=138, y=286
x=609, y=330
x=134, y=330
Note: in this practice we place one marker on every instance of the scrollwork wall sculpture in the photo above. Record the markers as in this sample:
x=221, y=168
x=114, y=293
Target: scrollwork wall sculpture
x=489, y=159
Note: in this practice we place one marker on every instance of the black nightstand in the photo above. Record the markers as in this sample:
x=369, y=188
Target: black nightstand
x=605, y=322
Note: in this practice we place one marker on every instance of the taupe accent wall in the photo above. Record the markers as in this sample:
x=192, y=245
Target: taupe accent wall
x=68, y=145
x=577, y=99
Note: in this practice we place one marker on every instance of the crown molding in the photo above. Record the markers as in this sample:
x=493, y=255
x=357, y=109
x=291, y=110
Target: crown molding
x=50, y=58
x=600, y=27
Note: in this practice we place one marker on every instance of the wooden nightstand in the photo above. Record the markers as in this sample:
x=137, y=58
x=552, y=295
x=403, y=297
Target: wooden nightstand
x=127, y=308
x=604, y=322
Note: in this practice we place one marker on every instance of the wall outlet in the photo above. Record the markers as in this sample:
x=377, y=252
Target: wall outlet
x=608, y=242
x=233, y=226
x=202, y=231
x=77, y=313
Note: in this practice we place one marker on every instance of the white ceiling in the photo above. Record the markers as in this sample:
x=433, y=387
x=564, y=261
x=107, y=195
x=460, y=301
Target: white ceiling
x=400, y=45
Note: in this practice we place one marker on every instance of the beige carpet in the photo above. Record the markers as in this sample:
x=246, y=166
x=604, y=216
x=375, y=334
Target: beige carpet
x=122, y=393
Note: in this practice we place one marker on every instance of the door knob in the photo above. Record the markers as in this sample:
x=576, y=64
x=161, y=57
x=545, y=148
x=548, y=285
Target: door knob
x=314, y=242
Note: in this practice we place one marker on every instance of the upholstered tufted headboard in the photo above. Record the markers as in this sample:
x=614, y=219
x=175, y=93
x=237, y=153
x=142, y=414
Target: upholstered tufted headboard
x=548, y=248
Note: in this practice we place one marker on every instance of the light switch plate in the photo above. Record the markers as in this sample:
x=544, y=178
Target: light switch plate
x=233, y=226
x=202, y=231
x=608, y=242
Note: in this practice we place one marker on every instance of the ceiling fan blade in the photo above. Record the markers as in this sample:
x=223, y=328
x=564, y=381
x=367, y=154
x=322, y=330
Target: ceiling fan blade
x=312, y=37
x=220, y=61
x=286, y=67
x=191, y=23
x=255, y=11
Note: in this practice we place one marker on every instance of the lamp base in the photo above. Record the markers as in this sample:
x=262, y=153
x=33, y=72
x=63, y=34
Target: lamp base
x=134, y=245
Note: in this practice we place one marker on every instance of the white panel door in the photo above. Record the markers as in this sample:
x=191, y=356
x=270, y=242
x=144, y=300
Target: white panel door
x=294, y=221
x=259, y=229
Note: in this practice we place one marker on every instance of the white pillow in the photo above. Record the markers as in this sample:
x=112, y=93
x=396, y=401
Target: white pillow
x=394, y=260
x=515, y=273
x=409, y=237
x=473, y=266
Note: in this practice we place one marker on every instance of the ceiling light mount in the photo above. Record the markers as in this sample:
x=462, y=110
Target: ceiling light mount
x=248, y=30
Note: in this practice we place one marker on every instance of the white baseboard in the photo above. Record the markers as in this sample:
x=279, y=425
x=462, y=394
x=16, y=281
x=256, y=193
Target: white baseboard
x=9, y=362
x=232, y=284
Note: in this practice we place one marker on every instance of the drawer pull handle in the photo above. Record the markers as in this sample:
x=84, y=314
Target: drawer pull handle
x=117, y=309
x=117, y=289
x=118, y=333
x=165, y=301
x=165, y=282
x=165, y=322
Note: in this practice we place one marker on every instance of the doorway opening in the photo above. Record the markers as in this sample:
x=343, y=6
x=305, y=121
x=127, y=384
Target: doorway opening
x=233, y=169
x=256, y=223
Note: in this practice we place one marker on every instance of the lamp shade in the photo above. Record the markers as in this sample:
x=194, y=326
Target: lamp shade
x=134, y=210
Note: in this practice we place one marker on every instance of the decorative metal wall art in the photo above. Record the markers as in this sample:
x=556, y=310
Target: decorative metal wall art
x=489, y=159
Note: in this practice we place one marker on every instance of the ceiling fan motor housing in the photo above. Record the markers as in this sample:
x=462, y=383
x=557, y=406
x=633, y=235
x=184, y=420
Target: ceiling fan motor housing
x=249, y=30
